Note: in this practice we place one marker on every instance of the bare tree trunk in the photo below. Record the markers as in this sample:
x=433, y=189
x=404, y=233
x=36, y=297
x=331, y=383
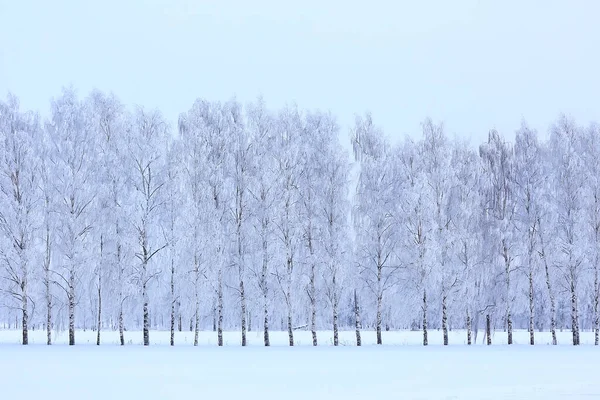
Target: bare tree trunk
x=196, y=320
x=424, y=308
x=196, y=299
x=357, y=319
x=313, y=302
x=550, y=291
x=121, y=325
x=335, y=312
x=71, y=298
x=378, y=316
x=173, y=301
x=531, y=307
x=48, y=289
x=574, y=314
x=289, y=310
x=244, y=311
x=488, y=329
x=445, y=320
x=220, y=307
x=266, y=323
x=508, y=299
x=99, y=322
x=468, y=327
x=25, y=306
x=264, y=286
x=146, y=320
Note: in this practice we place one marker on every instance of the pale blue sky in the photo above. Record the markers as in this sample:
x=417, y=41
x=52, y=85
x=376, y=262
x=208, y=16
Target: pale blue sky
x=473, y=64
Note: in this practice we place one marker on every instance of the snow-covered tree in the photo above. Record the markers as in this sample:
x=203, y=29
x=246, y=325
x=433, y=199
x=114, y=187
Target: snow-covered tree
x=73, y=160
x=19, y=203
x=146, y=147
x=374, y=214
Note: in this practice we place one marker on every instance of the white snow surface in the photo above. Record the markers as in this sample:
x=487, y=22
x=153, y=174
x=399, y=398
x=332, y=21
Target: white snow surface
x=393, y=371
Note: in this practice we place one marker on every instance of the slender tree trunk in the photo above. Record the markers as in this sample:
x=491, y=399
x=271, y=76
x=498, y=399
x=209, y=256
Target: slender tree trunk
x=196, y=300
x=357, y=323
x=121, y=324
x=531, y=307
x=488, y=329
x=313, y=302
x=288, y=297
x=173, y=301
x=508, y=292
x=549, y=286
x=25, y=306
x=241, y=266
x=424, y=308
x=335, y=311
x=71, y=298
x=265, y=288
x=220, y=306
x=48, y=291
x=445, y=320
x=574, y=314
x=378, y=316
x=468, y=327
x=196, y=320
x=266, y=322
x=244, y=311
x=146, y=319
x=99, y=322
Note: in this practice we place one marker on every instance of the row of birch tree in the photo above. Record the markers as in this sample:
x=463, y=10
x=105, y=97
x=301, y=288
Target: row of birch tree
x=241, y=217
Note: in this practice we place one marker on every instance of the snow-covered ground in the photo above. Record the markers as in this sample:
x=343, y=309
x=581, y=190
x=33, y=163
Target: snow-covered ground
x=303, y=372
x=301, y=338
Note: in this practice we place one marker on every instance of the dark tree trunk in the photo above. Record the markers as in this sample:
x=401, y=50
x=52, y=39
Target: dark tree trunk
x=424, y=308
x=173, y=301
x=243, y=310
x=357, y=323
x=220, y=307
x=574, y=313
x=445, y=320
x=71, y=298
x=531, y=309
x=146, y=320
x=488, y=329
x=468, y=327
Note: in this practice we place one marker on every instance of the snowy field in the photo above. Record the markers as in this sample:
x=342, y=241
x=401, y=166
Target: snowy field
x=301, y=338
x=303, y=372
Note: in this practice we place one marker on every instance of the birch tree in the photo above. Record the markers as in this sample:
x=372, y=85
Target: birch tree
x=72, y=161
x=262, y=191
x=19, y=199
x=374, y=215
x=591, y=160
x=529, y=178
x=497, y=157
x=146, y=147
x=566, y=141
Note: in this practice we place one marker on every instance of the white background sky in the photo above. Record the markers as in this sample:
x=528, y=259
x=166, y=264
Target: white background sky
x=473, y=64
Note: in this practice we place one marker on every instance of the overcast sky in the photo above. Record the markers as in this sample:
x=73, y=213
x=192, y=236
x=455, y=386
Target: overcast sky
x=473, y=64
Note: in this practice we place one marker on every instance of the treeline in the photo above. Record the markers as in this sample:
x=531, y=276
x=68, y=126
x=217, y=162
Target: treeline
x=247, y=218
